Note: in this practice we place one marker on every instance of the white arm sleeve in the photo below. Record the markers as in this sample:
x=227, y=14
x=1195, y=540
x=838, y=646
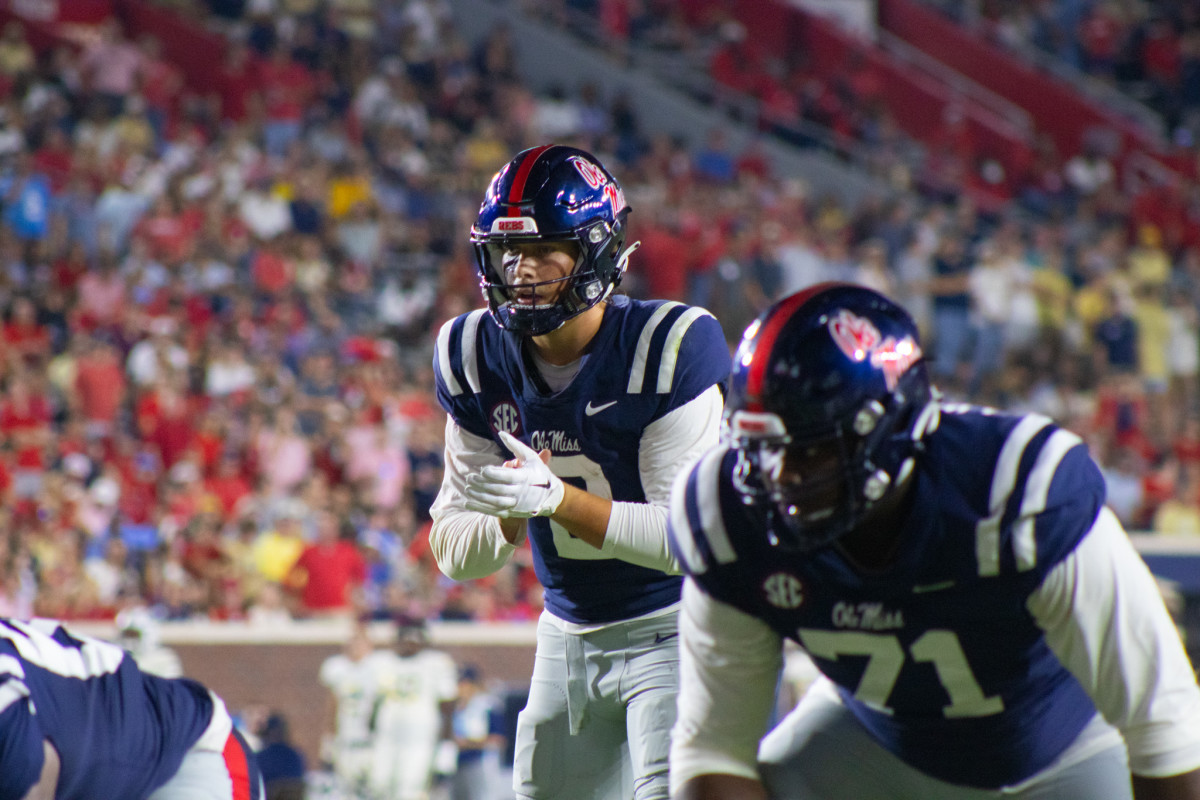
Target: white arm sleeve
x=466, y=544
x=729, y=664
x=1105, y=619
x=637, y=532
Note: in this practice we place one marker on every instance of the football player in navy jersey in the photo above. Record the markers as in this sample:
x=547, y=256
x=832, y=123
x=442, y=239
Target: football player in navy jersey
x=571, y=409
x=983, y=626
x=80, y=721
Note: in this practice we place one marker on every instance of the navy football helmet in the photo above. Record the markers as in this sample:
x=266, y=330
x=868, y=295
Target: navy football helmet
x=551, y=193
x=829, y=399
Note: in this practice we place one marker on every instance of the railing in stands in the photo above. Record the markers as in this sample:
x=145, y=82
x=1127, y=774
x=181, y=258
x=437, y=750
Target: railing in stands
x=917, y=94
x=1002, y=113
x=196, y=51
x=1097, y=90
x=1057, y=106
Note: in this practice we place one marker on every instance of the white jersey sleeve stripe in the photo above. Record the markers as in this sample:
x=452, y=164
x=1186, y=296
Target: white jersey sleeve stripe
x=1004, y=480
x=443, y=358
x=1037, y=489
x=12, y=691
x=710, y=507
x=637, y=375
x=470, y=357
x=685, y=539
x=1037, y=485
x=670, y=353
x=1024, y=543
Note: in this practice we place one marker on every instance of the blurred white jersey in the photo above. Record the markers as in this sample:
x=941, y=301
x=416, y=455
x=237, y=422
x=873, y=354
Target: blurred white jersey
x=408, y=720
x=353, y=685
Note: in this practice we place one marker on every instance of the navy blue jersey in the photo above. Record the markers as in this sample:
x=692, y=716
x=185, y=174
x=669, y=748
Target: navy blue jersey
x=937, y=656
x=646, y=360
x=119, y=732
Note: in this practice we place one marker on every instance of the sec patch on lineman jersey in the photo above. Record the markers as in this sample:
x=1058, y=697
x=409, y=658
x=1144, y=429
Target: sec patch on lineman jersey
x=783, y=590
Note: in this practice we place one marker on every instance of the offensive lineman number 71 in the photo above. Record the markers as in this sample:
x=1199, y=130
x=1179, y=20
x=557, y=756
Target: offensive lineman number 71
x=885, y=657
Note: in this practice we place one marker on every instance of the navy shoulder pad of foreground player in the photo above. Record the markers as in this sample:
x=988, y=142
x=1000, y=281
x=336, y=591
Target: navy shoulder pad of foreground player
x=705, y=508
x=1043, y=489
x=679, y=350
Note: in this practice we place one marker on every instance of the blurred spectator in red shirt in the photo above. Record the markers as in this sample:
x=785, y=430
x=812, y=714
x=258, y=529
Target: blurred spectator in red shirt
x=1160, y=54
x=200, y=551
x=236, y=82
x=161, y=84
x=329, y=572
x=165, y=418
x=25, y=422
x=212, y=431
x=70, y=268
x=24, y=337
x=1101, y=35
x=99, y=387
x=273, y=271
x=55, y=158
x=287, y=89
x=228, y=486
x=736, y=63
x=665, y=254
x=169, y=233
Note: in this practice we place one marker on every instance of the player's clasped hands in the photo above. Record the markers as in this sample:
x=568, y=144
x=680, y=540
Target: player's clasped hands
x=518, y=490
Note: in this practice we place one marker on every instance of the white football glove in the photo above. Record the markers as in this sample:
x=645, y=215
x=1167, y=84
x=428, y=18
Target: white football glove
x=529, y=489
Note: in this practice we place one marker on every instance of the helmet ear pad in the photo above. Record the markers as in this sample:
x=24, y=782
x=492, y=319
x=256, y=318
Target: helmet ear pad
x=603, y=262
x=552, y=193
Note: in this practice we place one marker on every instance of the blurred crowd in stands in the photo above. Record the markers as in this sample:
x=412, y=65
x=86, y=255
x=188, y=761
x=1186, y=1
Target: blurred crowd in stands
x=219, y=308
x=1149, y=49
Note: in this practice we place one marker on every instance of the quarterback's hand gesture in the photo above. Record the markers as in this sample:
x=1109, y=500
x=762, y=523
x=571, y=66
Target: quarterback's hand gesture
x=518, y=490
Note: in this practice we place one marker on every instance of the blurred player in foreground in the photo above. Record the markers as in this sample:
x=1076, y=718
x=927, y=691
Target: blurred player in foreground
x=984, y=626
x=571, y=409
x=80, y=721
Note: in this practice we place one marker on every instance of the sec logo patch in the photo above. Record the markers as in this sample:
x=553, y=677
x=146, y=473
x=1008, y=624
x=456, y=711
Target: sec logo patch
x=504, y=418
x=784, y=590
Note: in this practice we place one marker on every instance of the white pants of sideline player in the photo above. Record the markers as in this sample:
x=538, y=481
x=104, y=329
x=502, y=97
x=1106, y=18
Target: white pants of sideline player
x=616, y=689
x=352, y=763
x=819, y=752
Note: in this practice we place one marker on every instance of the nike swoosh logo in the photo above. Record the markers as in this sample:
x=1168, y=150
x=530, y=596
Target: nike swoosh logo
x=932, y=587
x=591, y=409
x=545, y=485
x=659, y=638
